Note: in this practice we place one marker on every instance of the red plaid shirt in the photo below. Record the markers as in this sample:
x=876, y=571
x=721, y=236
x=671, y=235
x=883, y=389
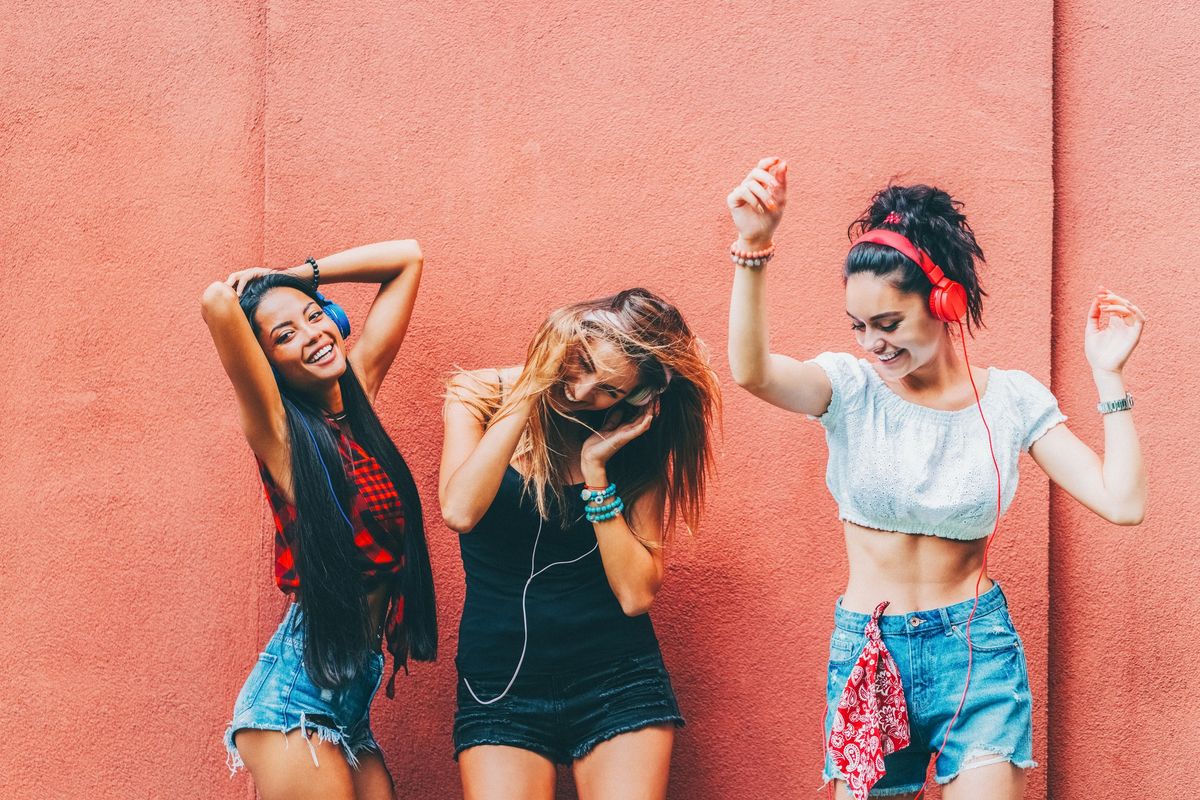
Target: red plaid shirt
x=378, y=517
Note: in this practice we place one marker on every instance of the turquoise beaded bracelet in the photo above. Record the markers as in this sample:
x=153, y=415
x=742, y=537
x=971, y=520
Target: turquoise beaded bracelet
x=606, y=512
x=604, y=509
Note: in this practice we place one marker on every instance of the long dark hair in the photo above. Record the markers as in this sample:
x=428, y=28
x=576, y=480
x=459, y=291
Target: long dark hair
x=337, y=625
x=933, y=221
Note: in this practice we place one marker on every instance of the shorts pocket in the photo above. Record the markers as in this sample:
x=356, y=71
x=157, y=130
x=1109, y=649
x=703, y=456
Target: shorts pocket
x=255, y=682
x=845, y=647
x=989, y=633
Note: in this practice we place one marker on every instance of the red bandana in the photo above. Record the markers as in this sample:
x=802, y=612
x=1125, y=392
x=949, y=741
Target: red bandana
x=871, y=720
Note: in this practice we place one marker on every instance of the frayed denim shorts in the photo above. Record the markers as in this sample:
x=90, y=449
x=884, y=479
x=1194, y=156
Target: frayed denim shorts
x=279, y=696
x=930, y=649
x=563, y=716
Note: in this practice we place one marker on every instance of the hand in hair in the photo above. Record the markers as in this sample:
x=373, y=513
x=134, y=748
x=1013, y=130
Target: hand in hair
x=756, y=204
x=241, y=277
x=1108, y=348
x=604, y=443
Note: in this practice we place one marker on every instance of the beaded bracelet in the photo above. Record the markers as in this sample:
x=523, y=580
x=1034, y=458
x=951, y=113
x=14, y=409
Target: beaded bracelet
x=590, y=495
x=604, y=509
x=316, y=278
x=605, y=512
x=751, y=258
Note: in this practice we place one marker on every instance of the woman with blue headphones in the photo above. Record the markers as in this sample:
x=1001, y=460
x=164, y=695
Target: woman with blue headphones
x=349, y=543
x=923, y=457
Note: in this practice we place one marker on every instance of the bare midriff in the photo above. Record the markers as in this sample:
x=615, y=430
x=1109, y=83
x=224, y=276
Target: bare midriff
x=912, y=572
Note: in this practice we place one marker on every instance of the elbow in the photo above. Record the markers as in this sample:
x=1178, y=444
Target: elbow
x=634, y=604
x=458, y=520
x=1129, y=514
x=408, y=253
x=1129, y=517
x=747, y=379
x=753, y=385
x=217, y=296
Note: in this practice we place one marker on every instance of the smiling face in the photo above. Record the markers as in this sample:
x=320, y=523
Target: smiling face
x=894, y=328
x=596, y=376
x=301, y=342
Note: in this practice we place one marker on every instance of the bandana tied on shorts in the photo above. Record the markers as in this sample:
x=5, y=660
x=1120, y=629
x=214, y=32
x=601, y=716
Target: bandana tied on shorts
x=871, y=719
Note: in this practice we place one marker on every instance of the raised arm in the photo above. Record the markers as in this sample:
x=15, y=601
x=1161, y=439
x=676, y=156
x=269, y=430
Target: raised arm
x=1113, y=486
x=396, y=266
x=756, y=205
x=260, y=408
x=475, y=454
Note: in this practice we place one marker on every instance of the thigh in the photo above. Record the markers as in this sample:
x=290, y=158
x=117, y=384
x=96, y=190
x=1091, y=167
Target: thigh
x=1002, y=781
x=632, y=766
x=497, y=772
x=283, y=767
x=372, y=781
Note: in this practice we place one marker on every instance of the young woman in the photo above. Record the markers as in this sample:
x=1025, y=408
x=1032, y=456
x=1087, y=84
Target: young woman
x=563, y=475
x=911, y=469
x=349, y=538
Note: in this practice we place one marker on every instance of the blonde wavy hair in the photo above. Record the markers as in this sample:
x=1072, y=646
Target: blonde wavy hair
x=673, y=456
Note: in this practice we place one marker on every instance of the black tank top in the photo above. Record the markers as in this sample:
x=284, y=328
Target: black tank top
x=575, y=620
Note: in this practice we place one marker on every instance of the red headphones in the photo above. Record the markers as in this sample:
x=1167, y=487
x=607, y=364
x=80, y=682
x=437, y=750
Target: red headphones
x=948, y=300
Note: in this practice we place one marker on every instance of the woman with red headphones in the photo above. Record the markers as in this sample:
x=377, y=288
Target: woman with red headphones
x=923, y=457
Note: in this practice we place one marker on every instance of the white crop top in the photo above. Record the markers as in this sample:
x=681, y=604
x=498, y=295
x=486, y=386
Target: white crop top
x=898, y=466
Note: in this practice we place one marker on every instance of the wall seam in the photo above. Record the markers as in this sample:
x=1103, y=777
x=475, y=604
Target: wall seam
x=1051, y=505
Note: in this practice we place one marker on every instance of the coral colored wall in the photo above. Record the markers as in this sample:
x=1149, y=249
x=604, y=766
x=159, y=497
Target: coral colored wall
x=1123, y=621
x=544, y=152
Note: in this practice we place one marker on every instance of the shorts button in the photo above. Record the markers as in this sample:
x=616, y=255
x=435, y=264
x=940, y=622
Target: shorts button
x=915, y=621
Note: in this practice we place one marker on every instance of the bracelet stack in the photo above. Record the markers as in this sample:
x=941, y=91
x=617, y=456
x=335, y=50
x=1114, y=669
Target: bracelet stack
x=751, y=258
x=603, y=504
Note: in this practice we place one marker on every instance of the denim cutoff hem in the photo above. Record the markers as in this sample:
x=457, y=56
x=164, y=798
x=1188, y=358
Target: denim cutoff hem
x=930, y=650
x=564, y=716
x=279, y=696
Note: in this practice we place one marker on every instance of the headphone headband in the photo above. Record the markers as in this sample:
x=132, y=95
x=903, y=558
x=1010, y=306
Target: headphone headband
x=948, y=300
x=904, y=245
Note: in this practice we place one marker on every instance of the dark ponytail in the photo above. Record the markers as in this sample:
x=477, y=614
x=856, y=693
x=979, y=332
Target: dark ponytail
x=932, y=220
x=337, y=625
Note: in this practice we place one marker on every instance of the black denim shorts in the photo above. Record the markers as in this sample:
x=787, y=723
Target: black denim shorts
x=563, y=716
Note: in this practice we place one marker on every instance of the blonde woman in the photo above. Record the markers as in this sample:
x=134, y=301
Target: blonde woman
x=563, y=476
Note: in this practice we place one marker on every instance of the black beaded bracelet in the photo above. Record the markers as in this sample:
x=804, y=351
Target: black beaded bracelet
x=316, y=278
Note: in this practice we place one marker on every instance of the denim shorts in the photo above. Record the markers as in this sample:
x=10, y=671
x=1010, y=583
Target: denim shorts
x=279, y=696
x=930, y=649
x=564, y=716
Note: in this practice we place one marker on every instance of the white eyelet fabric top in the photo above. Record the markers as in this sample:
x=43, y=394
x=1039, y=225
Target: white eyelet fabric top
x=898, y=466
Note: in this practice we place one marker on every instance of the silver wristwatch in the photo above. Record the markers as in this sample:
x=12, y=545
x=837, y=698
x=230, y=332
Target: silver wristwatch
x=1109, y=406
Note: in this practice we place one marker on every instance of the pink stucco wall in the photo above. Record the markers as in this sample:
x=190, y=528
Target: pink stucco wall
x=1123, y=623
x=544, y=152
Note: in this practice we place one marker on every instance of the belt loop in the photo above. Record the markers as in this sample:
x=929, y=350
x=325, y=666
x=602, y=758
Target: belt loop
x=945, y=615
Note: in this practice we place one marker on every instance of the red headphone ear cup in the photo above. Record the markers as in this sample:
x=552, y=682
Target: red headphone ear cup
x=948, y=302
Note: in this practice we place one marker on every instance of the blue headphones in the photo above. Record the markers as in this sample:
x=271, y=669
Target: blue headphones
x=335, y=313
x=331, y=309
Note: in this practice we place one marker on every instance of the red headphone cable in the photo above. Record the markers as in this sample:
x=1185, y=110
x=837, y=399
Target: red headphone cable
x=982, y=569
